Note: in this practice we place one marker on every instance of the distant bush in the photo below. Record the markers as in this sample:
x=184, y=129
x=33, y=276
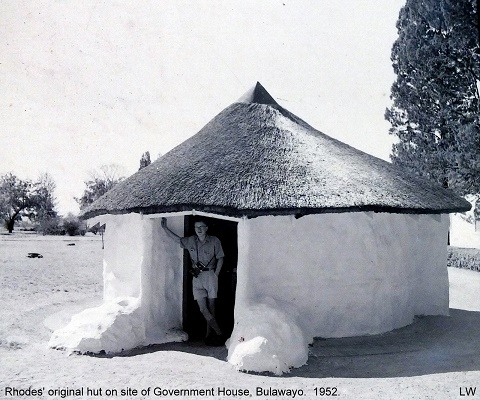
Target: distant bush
x=51, y=226
x=464, y=258
x=73, y=225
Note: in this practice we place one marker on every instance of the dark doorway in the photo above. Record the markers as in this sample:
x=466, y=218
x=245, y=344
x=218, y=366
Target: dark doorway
x=193, y=321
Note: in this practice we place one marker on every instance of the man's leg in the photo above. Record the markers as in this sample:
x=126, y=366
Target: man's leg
x=211, y=308
x=202, y=304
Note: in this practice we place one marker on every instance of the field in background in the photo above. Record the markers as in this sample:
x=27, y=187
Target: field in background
x=69, y=275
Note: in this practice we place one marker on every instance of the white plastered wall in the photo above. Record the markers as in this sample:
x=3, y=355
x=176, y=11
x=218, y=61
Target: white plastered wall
x=143, y=285
x=162, y=278
x=140, y=260
x=348, y=273
x=336, y=275
x=123, y=256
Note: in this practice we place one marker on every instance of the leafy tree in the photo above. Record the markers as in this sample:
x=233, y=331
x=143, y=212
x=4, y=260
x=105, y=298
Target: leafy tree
x=145, y=160
x=44, y=197
x=435, y=110
x=44, y=212
x=100, y=182
x=24, y=198
x=16, y=198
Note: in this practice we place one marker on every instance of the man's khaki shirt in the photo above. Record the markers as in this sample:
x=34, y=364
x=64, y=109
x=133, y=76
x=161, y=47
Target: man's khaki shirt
x=208, y=251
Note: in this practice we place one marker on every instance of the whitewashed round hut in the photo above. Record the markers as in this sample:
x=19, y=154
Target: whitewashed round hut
x=329, y=241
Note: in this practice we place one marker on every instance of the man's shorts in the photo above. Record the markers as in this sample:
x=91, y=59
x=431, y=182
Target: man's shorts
x=205, y=285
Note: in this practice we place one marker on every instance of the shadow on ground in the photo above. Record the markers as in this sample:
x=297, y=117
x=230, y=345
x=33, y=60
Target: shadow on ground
x=193, y=347
x=431, y=345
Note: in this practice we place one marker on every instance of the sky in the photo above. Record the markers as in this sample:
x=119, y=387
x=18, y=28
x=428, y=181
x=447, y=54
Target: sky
x=88, y=83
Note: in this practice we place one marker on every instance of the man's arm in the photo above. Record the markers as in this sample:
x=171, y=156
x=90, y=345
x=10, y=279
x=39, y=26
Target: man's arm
x=173, y=235
x=220, y=254
x=219, y=266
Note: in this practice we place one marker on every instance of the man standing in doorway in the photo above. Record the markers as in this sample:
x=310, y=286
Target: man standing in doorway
x=206, y=255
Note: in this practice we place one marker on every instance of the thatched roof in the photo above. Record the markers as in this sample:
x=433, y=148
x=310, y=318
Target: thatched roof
x=256, y=158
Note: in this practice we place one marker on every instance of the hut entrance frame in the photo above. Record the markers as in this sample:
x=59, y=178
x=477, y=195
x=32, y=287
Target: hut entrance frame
x=193, y=322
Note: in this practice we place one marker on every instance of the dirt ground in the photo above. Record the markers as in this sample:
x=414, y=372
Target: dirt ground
x=433, y=358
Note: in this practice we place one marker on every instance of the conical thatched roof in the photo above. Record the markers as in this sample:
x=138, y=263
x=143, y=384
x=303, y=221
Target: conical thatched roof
x=256, y=158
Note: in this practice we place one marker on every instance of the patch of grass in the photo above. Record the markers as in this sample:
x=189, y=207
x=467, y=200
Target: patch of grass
x=464, y=258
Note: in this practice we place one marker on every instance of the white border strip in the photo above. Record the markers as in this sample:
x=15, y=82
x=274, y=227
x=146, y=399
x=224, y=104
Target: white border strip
x=193, y=212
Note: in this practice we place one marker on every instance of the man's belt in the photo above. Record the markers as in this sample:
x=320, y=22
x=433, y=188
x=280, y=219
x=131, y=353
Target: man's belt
x=199, y=267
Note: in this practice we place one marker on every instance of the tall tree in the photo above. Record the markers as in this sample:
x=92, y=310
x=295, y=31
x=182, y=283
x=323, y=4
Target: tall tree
x=100, y=182
x=435, y=110
x=145, y=160
x=15, y=198
x=44, y=197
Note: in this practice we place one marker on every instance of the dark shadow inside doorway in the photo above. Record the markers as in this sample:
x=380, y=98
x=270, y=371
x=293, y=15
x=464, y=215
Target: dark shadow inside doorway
x=193, y=322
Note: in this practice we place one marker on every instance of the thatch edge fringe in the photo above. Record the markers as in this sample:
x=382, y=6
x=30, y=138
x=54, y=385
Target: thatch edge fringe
x=297, y=212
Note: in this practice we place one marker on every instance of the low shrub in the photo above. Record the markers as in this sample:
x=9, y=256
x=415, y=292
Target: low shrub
x=51, y=226
x=464, y=258
x=73, y=226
